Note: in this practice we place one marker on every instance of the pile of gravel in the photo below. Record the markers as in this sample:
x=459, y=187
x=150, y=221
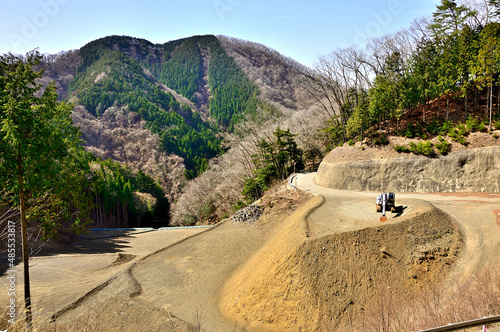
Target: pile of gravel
x=248, y=214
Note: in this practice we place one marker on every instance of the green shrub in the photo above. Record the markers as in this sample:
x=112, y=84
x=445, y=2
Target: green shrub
x=443, y=146
x=411, y=131
x=239, y=205
x=483, y=126
x=412, y=147
x=382, y=140
x=426, y=148
x=401, y=148
x=398, y=133
x=446, y=128
x=434, y=127
x=496, y=121
x=496, y=124
x=462, y=129
x=473, y=124
x=456, y=135
x=351, y=142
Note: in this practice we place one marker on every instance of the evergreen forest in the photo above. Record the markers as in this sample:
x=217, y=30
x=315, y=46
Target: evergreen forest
x=112, y=73
x=408, y=83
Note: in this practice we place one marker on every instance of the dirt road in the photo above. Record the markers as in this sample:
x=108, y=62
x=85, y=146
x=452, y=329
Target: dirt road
x=172, y=281
x=62, y=275
x=474, y=215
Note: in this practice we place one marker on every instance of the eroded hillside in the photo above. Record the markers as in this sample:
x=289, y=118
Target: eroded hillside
x=300, y=281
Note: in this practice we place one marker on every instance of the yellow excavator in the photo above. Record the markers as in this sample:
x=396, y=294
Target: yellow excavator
x=386, y=201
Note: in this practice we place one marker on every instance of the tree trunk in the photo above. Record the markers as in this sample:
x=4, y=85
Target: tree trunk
x=24, y=232
x=426, y=107
x=447, y=108
x=465, y=105
x=475, y=98
x=125, y=214
x=498, y=100
x=491, y=106
x=439, y=108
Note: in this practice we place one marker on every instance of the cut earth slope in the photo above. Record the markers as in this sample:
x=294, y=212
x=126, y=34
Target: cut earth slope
x=303, y=282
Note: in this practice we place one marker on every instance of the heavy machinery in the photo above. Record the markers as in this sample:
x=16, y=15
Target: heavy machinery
x=386, y=201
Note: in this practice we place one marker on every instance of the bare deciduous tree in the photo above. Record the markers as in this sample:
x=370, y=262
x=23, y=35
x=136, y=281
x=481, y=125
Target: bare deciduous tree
x=122, y=135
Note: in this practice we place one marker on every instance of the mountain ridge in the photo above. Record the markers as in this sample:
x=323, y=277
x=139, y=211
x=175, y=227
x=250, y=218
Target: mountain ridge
x=189, y=93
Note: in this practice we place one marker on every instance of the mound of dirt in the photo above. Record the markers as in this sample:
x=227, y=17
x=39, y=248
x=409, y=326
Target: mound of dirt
x=296, y=283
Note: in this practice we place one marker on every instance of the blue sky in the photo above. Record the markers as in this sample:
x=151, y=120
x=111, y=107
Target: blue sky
x=302, y=30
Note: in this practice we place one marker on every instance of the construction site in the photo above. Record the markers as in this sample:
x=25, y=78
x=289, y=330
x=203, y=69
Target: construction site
x=314, y=259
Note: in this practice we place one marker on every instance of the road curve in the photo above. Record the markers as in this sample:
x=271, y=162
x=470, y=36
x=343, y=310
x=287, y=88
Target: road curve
x=473, y=214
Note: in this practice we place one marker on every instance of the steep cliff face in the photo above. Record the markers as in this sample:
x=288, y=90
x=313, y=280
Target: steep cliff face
x=475, y=170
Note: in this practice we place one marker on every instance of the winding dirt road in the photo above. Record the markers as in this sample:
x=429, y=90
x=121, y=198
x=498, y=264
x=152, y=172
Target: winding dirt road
x=173, y=278
x=474, y=215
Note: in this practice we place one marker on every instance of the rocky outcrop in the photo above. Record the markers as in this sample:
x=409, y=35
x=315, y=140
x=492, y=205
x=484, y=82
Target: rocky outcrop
x=475, y=170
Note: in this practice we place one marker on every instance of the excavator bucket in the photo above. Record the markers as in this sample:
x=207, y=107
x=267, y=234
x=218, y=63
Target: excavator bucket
x=382, y=219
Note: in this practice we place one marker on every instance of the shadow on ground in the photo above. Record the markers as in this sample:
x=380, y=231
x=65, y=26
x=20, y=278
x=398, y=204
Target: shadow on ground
x=95, y=243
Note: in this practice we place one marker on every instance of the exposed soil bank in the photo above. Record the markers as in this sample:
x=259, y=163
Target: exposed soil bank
x=475, y=170
x=307, y=284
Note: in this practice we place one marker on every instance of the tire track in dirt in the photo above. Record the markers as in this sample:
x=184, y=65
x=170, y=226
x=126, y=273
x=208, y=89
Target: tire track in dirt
x=135, y=288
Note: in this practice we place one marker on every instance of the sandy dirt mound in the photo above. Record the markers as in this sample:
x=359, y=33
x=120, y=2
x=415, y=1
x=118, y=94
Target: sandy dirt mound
x=300, y=283
x=145, y=286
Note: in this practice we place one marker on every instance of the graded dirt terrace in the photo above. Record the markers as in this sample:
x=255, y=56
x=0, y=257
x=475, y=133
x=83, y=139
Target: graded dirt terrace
x=324, y=269
x=319, y=265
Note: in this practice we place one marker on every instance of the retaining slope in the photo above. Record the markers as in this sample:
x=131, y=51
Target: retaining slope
x=475, y=170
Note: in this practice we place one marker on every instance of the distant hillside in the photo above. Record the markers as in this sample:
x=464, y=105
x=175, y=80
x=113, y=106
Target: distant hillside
x=276, y=75
x=189, y=93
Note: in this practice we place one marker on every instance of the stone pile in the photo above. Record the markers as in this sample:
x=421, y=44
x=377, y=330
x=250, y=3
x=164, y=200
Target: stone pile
x=249, y=214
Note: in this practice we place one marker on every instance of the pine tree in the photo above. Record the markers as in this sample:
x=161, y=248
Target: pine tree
x=487, y=66
x=449, y=17
x=38, y=145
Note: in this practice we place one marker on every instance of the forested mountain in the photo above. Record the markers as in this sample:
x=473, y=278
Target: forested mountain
x=168, y=109
x=189, y=92
x=215, y=119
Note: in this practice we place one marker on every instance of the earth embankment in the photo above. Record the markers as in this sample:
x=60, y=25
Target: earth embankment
x=475, y=170
x=300, y=281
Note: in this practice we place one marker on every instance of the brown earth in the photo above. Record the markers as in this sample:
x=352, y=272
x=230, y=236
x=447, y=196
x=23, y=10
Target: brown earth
x=170, y=284
x=326, y=280
x=320, y=265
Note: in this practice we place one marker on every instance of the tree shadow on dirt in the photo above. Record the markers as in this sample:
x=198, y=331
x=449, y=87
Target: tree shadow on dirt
x=92, y=243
